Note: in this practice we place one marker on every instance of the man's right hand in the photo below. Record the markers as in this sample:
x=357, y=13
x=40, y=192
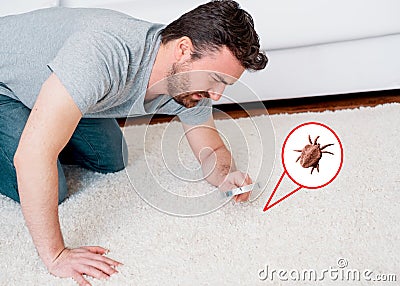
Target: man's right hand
x=89, y=260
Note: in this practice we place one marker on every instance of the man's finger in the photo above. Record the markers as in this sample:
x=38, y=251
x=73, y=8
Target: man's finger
x=105, y=269
x=92, y=271
x=226, y=187
x=105, y=259
x=244, y=197
x=103, y=265
x=239, y=179
x=248, y=179
x=96, y=249
x=80, y=280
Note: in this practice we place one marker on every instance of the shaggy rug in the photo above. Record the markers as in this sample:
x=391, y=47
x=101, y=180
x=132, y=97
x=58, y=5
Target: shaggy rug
x=349, y=225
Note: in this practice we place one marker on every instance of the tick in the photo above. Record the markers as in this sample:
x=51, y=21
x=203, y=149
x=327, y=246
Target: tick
x=311, y=154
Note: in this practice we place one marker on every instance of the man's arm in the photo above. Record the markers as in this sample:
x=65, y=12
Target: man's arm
x=49, y=127
x=216, y=160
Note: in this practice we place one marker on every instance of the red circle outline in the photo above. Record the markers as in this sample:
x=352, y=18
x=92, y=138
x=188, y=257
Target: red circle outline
x=341, y=151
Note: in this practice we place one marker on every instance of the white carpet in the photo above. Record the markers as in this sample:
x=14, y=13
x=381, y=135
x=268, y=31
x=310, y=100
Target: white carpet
x=356, y=218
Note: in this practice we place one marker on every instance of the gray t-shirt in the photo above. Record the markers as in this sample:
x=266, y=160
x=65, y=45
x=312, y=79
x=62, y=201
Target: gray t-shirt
x=104, y=59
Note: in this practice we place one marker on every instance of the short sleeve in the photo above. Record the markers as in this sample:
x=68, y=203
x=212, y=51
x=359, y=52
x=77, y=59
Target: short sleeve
x=82, y=65
x=197, y=115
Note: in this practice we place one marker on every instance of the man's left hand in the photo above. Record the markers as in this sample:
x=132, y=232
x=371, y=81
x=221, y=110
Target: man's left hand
x=235, y=180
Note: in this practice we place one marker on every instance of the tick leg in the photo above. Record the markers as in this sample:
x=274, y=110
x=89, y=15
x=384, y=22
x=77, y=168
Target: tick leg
x=318, y=167
x=298, y=150
x=309, y=139
x=298, y=159
x=327, y=145
x=328, y=152
x=315, y=141
x=312, y=169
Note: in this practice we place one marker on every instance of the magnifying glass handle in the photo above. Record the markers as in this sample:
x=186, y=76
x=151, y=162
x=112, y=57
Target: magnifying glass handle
x=242, y=190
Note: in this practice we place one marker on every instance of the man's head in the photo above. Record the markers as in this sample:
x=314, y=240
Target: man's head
x=217, y=36
x=216, y=24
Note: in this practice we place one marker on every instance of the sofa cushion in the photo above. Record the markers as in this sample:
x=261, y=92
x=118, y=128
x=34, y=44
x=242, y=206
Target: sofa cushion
x=22, y=6
x=293, y=23
x=281, y=23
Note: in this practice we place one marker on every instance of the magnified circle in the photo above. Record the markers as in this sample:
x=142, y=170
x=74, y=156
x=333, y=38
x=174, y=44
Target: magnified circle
x=162, y=168
x=297, y=150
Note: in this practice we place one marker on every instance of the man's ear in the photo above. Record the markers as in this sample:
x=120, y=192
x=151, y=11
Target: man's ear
x=183, y=49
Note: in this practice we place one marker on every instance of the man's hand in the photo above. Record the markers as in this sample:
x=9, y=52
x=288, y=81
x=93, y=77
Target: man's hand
x=235, y=180
x=87, y=260
x=216, y=161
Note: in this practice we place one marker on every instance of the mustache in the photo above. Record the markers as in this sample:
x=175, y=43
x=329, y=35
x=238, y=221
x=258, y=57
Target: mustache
x=188, y=94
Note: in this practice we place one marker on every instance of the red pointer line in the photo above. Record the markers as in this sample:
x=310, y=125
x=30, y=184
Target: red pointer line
x=267, y=206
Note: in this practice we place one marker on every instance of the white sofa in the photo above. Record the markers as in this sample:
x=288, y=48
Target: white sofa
x=22, y=6
x=315, y=47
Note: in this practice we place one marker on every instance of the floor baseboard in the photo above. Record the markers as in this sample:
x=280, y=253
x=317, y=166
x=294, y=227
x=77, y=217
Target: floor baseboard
x=294, y=105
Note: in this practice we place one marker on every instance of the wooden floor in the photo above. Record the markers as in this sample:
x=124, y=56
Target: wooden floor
x=298, y=105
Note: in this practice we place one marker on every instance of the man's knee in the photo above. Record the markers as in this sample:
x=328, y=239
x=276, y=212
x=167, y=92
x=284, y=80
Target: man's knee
x=98, y=145
x=117, y=158
x=122, y=157
x=8, y=178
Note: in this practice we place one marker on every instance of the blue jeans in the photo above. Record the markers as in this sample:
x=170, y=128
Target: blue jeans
x=96, y=144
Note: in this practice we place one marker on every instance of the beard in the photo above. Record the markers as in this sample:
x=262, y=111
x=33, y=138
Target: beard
x=187, y=100
x=178, y=86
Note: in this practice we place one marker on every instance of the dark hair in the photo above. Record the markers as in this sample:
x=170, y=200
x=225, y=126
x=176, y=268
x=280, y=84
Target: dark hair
x=219, y=23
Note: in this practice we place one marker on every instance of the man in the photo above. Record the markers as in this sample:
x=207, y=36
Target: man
x=66, y=74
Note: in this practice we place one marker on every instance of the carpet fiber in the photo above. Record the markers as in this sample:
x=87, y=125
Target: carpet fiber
x=354, y=220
